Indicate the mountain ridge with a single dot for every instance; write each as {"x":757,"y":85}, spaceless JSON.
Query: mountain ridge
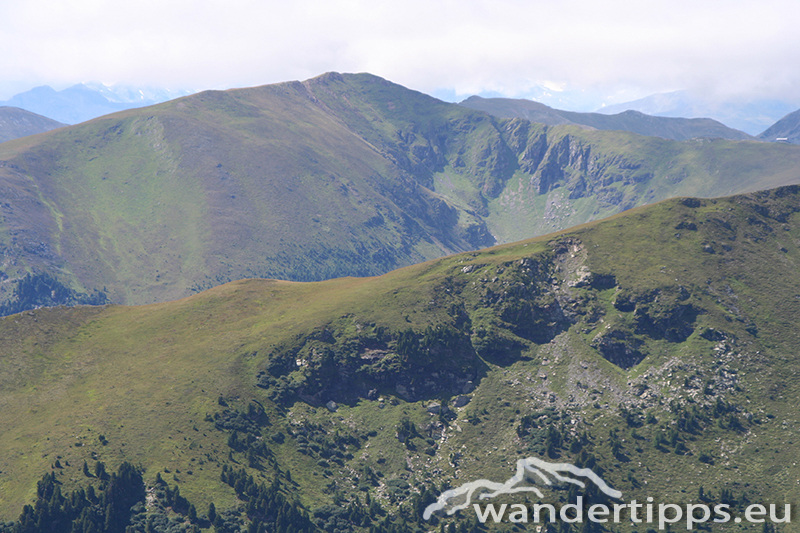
{"x":16,"y":123}
{"x":787,"y":128}
{"x":750,"y":116}
{"x":678,"y":129}
{"x":339,"y":175}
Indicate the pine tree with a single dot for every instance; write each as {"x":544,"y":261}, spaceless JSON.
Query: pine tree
{"x":100,"y":470}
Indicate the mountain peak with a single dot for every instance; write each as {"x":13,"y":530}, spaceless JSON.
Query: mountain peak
{"x":786,"y":129}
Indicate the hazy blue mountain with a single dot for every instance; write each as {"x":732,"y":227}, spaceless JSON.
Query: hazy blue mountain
{"x":678,"y":129}
{"x":140,"y":95}
{"x":83,"y":102}
{"x":750,"y":116}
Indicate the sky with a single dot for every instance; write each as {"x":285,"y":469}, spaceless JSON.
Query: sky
{"x":614,"y":51}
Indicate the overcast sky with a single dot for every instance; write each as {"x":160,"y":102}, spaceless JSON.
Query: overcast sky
{"x":618,"y":48}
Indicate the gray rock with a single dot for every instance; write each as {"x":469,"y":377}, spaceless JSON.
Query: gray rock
{"x":435,"y":408}
{"x":402,"y":391}
{"x":461,"y":401}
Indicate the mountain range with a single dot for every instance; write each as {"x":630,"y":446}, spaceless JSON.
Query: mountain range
{"x":657,"y":348}
{"x":340,"y":175}
{"x":83,"y":102}
{"x":750,"y":116}
{"x":88,"y":100}
{"x":678,"y":129}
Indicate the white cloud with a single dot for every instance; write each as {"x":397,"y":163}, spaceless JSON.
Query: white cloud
{"x":467,"y":46}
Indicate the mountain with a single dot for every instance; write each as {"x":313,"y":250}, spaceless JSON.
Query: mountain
{"x":137,"y":96}
{"x":16,"y":123}
{"x":70,"y":106}
{"x":786,"y":128}
{"x":750,"y":116}
{"x":657,"y":347}
{"x":83,"y":102}
{"x":678,"y":129}
{"x":564,"y":97}
{"x":341,"y":175}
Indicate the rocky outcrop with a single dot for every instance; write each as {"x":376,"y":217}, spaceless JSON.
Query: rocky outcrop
{"x":620,"y":348}
{"x":556,"y":159}
{"x":332,"y":364}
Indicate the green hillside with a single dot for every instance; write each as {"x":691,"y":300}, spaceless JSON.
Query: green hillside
{"x":16,"y":123}
{"x":658,"y":347}
{"x":339,"y":175}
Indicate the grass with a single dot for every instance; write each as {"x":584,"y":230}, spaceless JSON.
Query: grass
{"x":148,"y":378}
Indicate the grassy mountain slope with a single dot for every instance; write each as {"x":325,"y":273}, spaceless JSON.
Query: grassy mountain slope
{"x":16,"y":123}
{"x":786,"y":128}
{"x":339,"y":175}
{"x":677,"y":129}
{"x":221,"y":186}
{"x":658,"y":346}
